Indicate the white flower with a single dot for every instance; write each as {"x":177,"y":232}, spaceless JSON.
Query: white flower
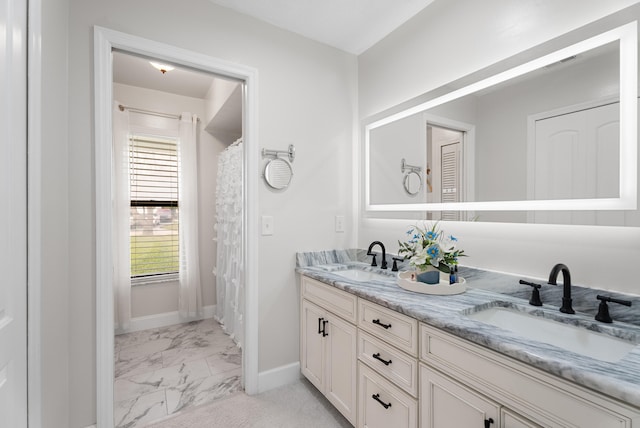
{"x":420,"y":257}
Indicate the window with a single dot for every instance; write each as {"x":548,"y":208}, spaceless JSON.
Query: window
{"x":153,"y":176}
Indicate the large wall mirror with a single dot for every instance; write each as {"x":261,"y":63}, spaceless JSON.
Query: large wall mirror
{"x":548,"y":138}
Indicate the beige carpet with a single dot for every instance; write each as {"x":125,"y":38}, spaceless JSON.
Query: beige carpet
{"x":291,"y":406}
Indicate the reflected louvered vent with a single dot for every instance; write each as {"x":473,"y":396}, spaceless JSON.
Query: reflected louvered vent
{"x":153,"y":173}
{"x":450,"y":180}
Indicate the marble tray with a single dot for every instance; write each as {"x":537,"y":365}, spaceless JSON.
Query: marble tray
{"x":443,"y":288}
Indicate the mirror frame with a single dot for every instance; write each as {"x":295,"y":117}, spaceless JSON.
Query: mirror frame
{"x":627,"y":36}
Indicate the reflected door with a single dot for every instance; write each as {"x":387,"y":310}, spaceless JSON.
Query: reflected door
{"x":577,"y":156}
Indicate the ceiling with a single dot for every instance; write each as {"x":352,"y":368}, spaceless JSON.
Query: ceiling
{"x":137,"y":71}
{"x":349,"y":25}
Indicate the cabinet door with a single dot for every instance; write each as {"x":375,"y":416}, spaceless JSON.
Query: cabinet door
{"x":513,"y":420}
{"x":312,"y":344}
{"x":381,"y":404}
{"x":340,"y":354}
{"x":445,"y":403}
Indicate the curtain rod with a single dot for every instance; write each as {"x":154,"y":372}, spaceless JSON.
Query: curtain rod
{"x":155,"y":113}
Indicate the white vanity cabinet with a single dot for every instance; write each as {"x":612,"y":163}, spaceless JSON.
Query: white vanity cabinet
{"x":328,"y":344}
{"x":383,"y":369}
{"x":388,"y":368}
{"x":460,"y":378}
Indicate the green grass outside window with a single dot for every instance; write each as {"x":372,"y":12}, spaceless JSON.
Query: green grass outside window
{"x":152,"y":255}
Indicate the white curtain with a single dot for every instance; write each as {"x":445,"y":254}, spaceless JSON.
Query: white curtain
{"x":120,"y":206}
{"x":229,"y":268}
{"x":190,"y":296}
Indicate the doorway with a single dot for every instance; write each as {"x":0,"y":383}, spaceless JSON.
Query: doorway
{"x":174,"y":130}
{"x":106,"y":42}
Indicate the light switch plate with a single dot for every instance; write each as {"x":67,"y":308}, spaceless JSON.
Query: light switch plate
{"x":267,"y":225}
{"x":339,"y":223}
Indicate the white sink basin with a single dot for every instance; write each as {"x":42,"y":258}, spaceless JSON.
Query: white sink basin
{"x":361,"y":275}
{"x":572,"y":338}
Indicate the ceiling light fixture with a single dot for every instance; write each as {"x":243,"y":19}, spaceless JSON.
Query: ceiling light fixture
{"x":162,"y":67}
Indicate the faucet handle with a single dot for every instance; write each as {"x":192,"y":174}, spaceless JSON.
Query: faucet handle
{"x":373,"y":262}
{"x":603,"y":309}
{"x":535,"y":294}
{"x":395,"y":263}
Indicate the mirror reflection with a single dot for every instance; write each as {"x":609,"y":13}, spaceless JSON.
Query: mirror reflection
{"x":552,"y":134}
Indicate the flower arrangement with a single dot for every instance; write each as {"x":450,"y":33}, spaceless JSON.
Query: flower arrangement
{"x":430,"y":247}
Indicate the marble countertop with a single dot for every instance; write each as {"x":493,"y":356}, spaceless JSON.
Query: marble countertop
{"x":620,"y":380}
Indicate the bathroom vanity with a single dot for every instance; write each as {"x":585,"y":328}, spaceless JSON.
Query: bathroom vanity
{"x":387,"y":357}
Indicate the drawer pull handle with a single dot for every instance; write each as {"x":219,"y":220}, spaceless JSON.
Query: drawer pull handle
{"x":488,"y":422}
{"x":320,"y":325}
{"x":382,"y":403}
{"x":387,"y":326}
{"x":324,"y":328}
{"x":377,"y":357}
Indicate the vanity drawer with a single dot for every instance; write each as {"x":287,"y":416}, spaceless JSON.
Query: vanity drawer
{"x":330,"y":298}
{"x":392,"y":363}
{"x":381,"y":404}
{"x":394,"y":328}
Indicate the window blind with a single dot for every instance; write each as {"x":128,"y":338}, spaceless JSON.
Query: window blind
{"x":153,"y":175}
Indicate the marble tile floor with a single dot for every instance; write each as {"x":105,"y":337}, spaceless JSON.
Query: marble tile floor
{"x":162,"y":371}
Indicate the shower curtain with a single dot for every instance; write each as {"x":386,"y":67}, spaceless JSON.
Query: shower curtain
{"x":229,"y":268}
{"x":120,"y":231}
{"x":190,"y":294}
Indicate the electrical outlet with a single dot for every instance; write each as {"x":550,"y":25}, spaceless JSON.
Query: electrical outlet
{"x":339,"y":223}
{"x":267,"y":225}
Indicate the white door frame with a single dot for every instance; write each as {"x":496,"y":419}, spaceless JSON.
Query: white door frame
{"x":14,"y":230}
{"x":104,"y":41}
{"x":34,"y":214}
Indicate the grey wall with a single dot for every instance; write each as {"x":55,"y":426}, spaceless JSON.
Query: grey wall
{"x":56,"y":239}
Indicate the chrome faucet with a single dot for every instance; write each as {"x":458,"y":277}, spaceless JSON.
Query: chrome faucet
{"x":384,"y":254}
{"x":566,"y":282}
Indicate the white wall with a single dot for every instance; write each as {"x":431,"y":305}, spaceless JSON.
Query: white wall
{"x":159,"y":298}
{"x":306,"y":97}
{"x":451,"y":39}
{"x":223,"y":101}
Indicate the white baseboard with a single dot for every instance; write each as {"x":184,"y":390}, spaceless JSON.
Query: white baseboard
{"x":279,"y":376}
{"x":92,"y":426}
{"x":163,"y":320}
